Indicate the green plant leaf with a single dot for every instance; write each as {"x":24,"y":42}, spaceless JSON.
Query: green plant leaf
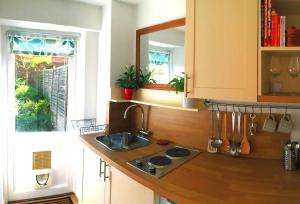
{"x":177,"y":83}
{"x":128,"y":78}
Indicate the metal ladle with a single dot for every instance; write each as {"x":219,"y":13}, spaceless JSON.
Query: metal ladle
{"x":210,"y":146}
{"x":232,"y":149}
{"x":218,"y":142}
{"x":238,"y":146}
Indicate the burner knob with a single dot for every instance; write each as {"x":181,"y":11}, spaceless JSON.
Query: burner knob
{"x":152,"y":170}
{"x":139,"y":163}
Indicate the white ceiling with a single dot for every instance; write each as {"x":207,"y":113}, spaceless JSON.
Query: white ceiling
{"x":102,"y":2}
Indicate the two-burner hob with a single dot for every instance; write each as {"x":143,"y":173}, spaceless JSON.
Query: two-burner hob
{"x":163,"y":162}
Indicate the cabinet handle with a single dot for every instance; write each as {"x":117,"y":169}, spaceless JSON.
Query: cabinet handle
{"x":105,"y":177}
{"x":104,"y":171}
{"x":186,"y":85}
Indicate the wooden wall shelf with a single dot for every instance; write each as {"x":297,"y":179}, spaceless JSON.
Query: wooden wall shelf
{"x":279,"y":98}
{"x":280,"y":49}
{"x":282,"y":55}
{"x":155,"y":104}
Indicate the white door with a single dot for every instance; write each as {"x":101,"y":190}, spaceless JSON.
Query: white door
{"x":23,"y":141}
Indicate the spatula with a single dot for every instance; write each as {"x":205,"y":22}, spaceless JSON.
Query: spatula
{"x":225,"y":144}
{"x":245,"y":146}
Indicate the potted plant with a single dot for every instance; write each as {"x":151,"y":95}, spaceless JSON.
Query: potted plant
{"x":146,"y":77}
{"x":128,"y":81}
{"x":177,"y":83}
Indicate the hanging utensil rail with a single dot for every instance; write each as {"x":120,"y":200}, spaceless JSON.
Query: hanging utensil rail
{"x":249,"y":108}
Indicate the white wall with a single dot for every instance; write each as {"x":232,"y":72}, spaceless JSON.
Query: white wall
{"x":122,"y":37}
{"x":60,"y":12}
{"x":91,"y":68}
{"x":169,"y":36}
{"x":151,"y":12}
{"x":178,"y":60}
{"x":103,"y":87}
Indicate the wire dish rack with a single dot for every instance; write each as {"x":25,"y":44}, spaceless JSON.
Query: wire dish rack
{"x":88,"y":126}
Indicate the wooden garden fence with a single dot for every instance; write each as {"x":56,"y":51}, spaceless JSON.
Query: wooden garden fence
{"x":53,"y":84}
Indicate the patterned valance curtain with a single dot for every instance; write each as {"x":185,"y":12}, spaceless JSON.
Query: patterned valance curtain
{"x":41,"y":44}
{"x":159,"y":57}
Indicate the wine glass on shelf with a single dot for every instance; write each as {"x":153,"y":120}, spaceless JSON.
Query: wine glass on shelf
{"x":275,"y":67}
{"x":294,"y":69}
{"x":275,"y":70}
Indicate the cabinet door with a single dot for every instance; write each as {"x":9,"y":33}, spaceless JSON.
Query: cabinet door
{"x":127,"y":191}
{"x":221,"y":49}
{"x":93,"y":185}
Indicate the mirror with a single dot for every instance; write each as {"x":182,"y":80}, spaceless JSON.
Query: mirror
{"x":160,"y":49}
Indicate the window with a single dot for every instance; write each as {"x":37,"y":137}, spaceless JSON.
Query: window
{"x":160,"y":61}
{"x":41,"y":80}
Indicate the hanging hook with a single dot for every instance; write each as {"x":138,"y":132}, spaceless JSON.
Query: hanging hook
{"x":261,"y":109}
{"x":218,"y":107}
{"x":233,"y":108}
{"x":226,"y":107}
{"x":270,"y":110}
{"x":212,"y":107}
{"x":286,"y":109}
{"x":245,"y":110}
{"x":239,"y":108}
{"x":252,"y":109}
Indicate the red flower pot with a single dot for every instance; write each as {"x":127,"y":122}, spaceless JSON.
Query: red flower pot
{"x":128,"y":92}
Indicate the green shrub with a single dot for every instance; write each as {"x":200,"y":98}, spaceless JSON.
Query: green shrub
{"x":26,"y":108}
{"x":34,"y":116}
{"x":42,"y":107}
{"x":25,"y":92}
{"x":19,"y":82}
{"x":33,"y":110}
{"x":26,"y":123}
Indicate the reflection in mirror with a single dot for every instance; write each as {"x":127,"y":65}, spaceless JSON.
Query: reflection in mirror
{"x":160,"y":51}
{"x":163,"y":53}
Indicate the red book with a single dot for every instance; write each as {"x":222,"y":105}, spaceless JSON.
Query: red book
{"x":266,"y":23}
{"x":269,"y":21}
{"x":278,"y":32}
{"x":274,"y":28}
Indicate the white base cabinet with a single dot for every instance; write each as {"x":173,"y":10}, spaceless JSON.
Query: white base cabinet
{"x":95,"y":190}
{"x":127,"y":191}
{"x":116,"y":188}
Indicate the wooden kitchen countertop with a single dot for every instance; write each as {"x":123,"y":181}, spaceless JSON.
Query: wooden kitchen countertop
{"x":211,"y":178}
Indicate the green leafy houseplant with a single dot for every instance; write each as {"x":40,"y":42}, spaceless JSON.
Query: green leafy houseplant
{"x":177,"y":83}
{"x":128,"y":78}
{"x":146,"y":77}
{"x":128,"y":81}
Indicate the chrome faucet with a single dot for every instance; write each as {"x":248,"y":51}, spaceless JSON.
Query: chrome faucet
{"x":143,"y":131}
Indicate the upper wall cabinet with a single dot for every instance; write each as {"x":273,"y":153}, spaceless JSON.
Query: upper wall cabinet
{"x":221,"y":49}
{"x":279,"y":51}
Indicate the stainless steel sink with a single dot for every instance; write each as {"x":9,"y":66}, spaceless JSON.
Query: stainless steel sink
{"x":123,"y":141}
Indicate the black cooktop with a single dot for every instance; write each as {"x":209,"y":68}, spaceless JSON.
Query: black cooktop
{"x":160,"y":161}
{"x":178,"y":152}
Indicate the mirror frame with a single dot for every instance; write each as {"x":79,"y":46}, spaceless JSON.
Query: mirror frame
{"x":151,"y":29}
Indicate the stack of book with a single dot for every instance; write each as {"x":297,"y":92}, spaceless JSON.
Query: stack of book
{"x":293,"y":37}
{"x":272,"y":26}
